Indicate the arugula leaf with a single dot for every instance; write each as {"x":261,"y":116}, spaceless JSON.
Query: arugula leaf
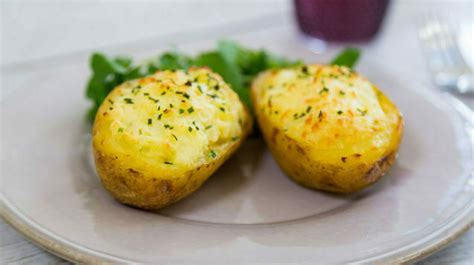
{"x":174,"y":61}
{"x":123,"y":61}
{"x":348,"y":57}
{"x":229,"y":50}
{"x":229,"y":71}
{"x":107,"y":74}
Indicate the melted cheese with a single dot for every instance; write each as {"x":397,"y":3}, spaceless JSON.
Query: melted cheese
{"x":171,"y":118}
{"x":328,"y":108}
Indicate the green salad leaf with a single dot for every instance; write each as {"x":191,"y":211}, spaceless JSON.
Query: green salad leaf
{"x":237,"y":65}
{"x":348,"y":57}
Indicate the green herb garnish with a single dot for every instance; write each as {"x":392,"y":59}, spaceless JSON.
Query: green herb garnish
{"x":325,"y":89}
{"x":362,"y":112}
{"x":348,"y":57}
{"x":128,"y":100}
{"x":212,"y":154}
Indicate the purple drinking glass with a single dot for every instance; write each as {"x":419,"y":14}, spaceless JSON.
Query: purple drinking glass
{"x":340,"y":20}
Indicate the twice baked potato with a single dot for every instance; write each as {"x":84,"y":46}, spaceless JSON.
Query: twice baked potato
{"x":327,"y":127}
{"x":157,"y":139}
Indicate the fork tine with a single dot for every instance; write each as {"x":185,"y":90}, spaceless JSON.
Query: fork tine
{"x":443,"y":39}
{"x":437,"y":59}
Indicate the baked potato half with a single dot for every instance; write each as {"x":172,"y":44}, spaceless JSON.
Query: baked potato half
{"x":327,"y":127}
{"x":157,"y":139}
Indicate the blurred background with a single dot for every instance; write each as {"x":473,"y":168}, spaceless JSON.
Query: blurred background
{"x":430,"y":40}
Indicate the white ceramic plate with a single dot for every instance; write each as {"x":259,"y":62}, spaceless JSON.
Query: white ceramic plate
{"x":249,"y":211}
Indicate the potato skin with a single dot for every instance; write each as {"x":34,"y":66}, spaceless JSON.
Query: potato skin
{"x":327,"y":127}
{"x":158,"y":139}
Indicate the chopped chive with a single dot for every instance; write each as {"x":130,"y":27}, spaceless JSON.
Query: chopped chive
{"x":342,"y":93}
{"x":149,"y":121}
{"x":362,"y":112}
{"x":222,"y":109}
{"x":110,"y":101}
{"x":339,"y":112}
{"x":176,"y":138}
{"x":208,"y":127}
{"x":212,"y":154}
{"x":159,"y":116}
{"x":168,"y":163}
{"x":181,"y":111}
{"x":188,"y":83}
{"x":171,"y":105}
{"x":186,"y":95}
{"x":153,"y":99}
{"x":191,"y":110}
{"x":308,"y":109}
{"x":325,"y":89}
{"x":120,"y":129}
{"x":128,"y":100}
{"x":190,"y":129}
{"x":235,"y":138}
{"x":320,"y":115}
{"x":304,"y":69}
{"x":136,"y":89}
{"x":195,"y":126}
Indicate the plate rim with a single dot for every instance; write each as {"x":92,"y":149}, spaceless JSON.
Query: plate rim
{"x":68,"y":251}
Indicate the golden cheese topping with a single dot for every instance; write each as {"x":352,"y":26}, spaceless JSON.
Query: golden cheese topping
{"x":170,"y":119}
{"x":328,"y":108}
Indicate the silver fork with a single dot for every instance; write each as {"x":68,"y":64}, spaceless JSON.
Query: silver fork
{"x":448,"y":68}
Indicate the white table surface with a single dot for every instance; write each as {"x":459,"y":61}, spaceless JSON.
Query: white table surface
{"x":34,"y":30}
